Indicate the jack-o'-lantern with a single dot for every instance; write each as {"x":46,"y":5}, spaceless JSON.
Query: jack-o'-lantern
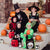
{"x":3,"y":32}
{"x":7,"y":27}
{"x":12,"y":14}
{"x":14,"y":43}
{"x":11,"y":34}
{"x":38,"y":37}
{"x":47,"y":21}
{"x":42,"y":28}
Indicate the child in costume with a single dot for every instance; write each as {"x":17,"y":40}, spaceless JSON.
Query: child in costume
{"x":34,"y":16}
{"x":17,"y":33}
{"x":13,"y":24}
{"x":27,"y":35}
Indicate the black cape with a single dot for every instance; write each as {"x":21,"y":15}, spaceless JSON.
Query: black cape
{"x":23,"y":18}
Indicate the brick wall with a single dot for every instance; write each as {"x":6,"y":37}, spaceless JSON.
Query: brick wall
{"x":5,"y":8}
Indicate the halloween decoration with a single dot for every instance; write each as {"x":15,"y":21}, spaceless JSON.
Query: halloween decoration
{"x":44,"y":12}
{"x":3,"y":32}
{"x":27,"y":36}
{"x":14,"y":43}
{"x":47,"y":21}
{"x":7,"y":27}
{"x":11,"y":34}
{"x":42,"y":28}
{"x":40,"y":13}
{"x":12,"y":14}
{"x":38,"y":37}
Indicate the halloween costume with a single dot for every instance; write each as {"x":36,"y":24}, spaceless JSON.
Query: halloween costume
{"x":14,"y":42}
{"x":29,"y":36}
{"x":13,"y":24}
{"x":21,"y":17}
{"x":36,"y":16}
{"x":17,"y":33}
{"x":37,"y":23}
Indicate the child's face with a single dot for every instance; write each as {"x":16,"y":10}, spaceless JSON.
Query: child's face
{"x":17,"y":10}
{"x":14,"y":19}
{"x":33,"y":10}
{"x":29,"y":26}
{"x":18,"y":25}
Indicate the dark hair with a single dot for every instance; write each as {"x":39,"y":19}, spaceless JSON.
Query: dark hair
{"x":18,"y":23}
{"x":13,"y":18}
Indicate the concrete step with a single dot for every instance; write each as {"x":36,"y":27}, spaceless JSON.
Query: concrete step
{"x":42,"y":44}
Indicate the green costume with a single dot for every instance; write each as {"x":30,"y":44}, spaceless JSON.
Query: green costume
{"x":25,"y":32}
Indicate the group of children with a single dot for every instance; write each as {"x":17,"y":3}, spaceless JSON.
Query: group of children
{"x":24,"y":27}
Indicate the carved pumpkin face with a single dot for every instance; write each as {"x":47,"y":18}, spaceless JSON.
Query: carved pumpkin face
{"x":47,"y":21}
{"x":11,"y":34}
{"x":3,"y":32}
{"x":14,"y":43}
{"x":7,"y":27}
{"x":38,"y":37}
{"x":12,"y":14}
{"x":42,"y":28}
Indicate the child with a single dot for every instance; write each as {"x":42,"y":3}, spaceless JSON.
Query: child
{"x":13,"y":24}
{"x":34,"y":16}
{"x":17,"y":33}
{"x":28,"y":34}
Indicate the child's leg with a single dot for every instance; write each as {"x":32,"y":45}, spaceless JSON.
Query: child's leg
{"x":24,"y":39}
{"x":24,"y":42}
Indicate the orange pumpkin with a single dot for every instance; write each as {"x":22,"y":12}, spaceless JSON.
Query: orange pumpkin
{"x":44,"y":11}
{"x":47,"y":21}
{"x":12,"y":14}
{"x":3,"y":32}
{"x":37,"y":37}
{"x":28,"y":32}
{"x":27,"y":9}
{"x":7,"y":27}
{"x":42,"y":28}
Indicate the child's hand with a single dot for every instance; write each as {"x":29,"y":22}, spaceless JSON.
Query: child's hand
{"x":30,"y":19}
{"x":25,"y":35}
{"x":15,"y":36}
